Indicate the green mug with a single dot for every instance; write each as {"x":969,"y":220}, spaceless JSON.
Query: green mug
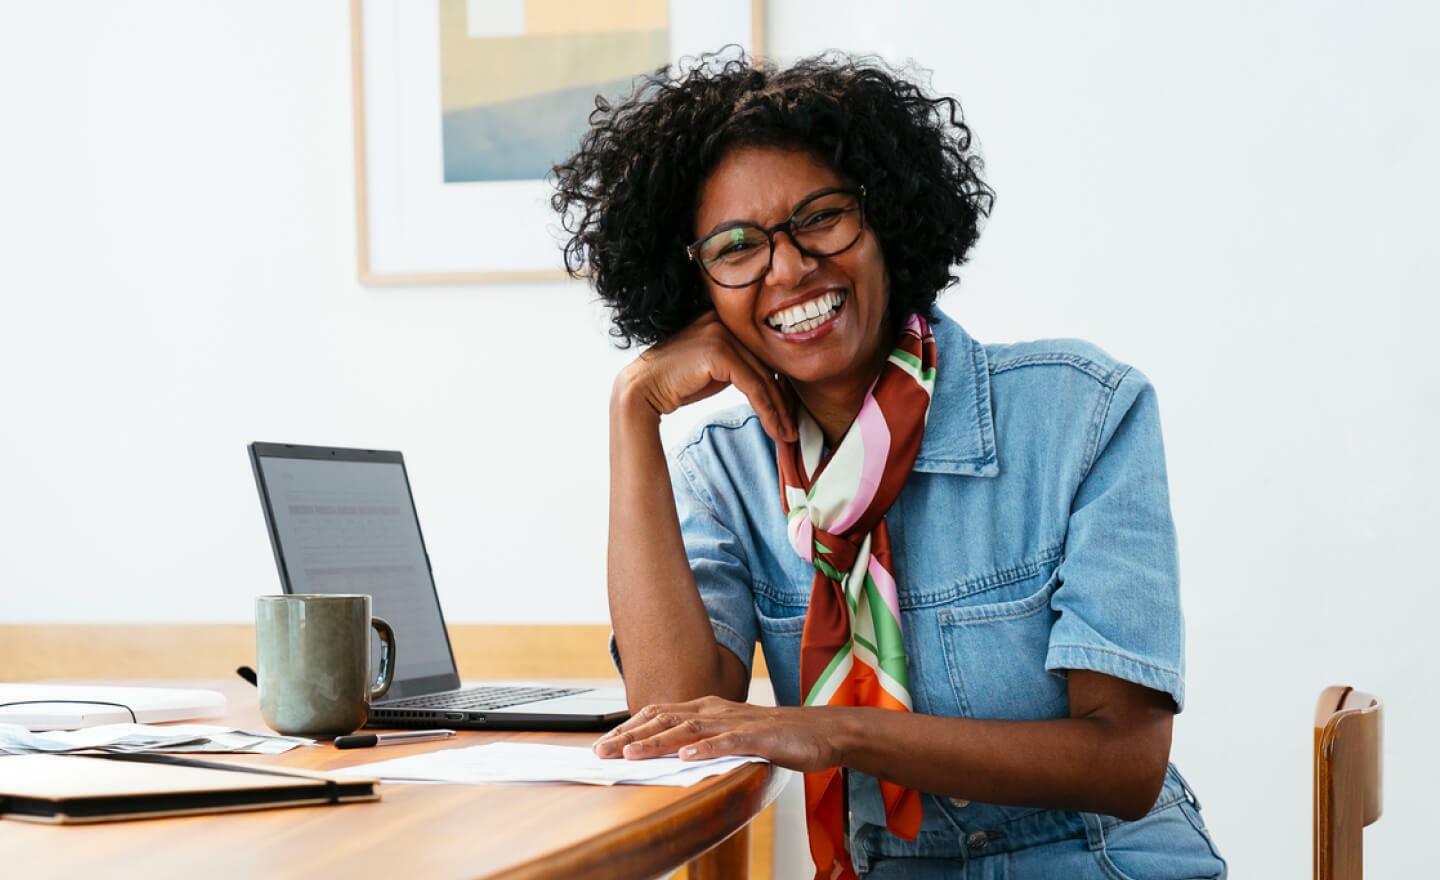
{"x":312,"y":654}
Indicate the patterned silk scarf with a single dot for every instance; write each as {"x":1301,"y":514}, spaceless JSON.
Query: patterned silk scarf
{"x":851,"y":651}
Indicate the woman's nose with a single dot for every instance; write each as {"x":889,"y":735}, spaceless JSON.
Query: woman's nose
{"x":788,"y":264}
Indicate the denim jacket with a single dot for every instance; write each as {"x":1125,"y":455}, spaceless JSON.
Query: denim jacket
{"x":1033,"y":536}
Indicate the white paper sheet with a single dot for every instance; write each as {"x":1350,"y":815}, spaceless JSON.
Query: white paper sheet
{"x":528,"y":762}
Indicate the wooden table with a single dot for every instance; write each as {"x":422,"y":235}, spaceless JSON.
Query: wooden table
{"x":419,"y":831}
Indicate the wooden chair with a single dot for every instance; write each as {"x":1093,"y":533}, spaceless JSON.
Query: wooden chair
{"x":1347,"y":779}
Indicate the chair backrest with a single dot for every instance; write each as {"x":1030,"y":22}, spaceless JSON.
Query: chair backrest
{"x":1347,"y":779}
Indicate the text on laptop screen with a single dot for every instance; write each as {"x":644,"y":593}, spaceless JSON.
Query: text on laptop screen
{"x":349,"y":527}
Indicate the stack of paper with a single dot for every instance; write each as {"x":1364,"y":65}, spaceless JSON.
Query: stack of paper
{"x":526,"y":762}
{"x":15,"y":739}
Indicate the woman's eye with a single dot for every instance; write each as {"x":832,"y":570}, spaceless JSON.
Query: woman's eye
{"x":731,"y":251}
{"x":820,"y":218}
{"x":733,"y":245}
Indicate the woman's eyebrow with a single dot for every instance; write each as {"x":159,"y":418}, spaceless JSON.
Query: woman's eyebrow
{"x":731,"y":224}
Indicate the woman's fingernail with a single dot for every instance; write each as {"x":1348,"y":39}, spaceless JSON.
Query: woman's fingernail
{"x":690,"y":751}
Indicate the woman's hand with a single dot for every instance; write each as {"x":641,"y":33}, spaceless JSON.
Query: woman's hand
{"x":711,"y":727}
{"x":702,"y":360}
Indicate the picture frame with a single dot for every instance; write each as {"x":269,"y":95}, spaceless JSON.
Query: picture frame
{"x":413,"y":227}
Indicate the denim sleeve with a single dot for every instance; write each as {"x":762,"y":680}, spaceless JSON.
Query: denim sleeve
{"x":1118,"y":588}
{"x":718,"y":561}
{"x":717,"y":558}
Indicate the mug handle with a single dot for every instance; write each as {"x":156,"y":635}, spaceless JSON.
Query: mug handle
{"x":387,"y":658}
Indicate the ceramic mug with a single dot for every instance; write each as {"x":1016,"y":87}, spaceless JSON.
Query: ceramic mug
{"x":312,"y":651}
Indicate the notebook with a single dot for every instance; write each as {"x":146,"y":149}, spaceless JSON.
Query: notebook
{"x":79,"y":789}
{"x":344,"y":521}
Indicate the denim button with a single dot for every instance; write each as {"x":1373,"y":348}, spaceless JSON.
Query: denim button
{"x":960,"y":802}
{"x":978,"y":840}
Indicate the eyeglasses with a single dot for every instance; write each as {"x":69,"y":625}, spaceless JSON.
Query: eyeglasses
{"x":823,"y":225}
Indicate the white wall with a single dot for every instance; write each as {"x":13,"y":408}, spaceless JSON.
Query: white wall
{"x":1239,"y":198}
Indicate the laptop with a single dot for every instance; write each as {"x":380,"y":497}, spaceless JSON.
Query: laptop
{"x":344,"y":521}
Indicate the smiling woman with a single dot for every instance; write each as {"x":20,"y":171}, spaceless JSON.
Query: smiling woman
{"x":958,"y":559}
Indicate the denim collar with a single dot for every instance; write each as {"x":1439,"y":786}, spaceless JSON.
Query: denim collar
{"x":960,"y":431}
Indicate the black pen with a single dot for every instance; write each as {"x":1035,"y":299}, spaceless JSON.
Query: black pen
{"x":366,"y":740}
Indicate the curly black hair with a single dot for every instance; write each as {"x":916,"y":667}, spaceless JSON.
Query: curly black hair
{"x":627,"y":197}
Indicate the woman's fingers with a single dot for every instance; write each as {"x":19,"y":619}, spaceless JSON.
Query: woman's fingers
{"x":702,"y":360}
{"x":706,"y":728}
{"x":664,"y":727}
{"x":711,"y":727}
{"x":755,"y":380}
{"x":673,"y":739}
{"x":765,"y":394}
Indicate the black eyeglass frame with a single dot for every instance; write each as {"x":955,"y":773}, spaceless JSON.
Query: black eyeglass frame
{"x":786,"y":226}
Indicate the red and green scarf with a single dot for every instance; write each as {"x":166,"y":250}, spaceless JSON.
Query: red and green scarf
{"x":852,"y":652}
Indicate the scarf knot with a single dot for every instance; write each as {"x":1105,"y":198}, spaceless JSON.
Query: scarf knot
{"x":834,"y":555}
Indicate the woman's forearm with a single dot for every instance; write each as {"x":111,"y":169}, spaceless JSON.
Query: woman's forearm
{"x":1097,"y":763}
{"x":666,"y":645}
{"x":1109,"y":756}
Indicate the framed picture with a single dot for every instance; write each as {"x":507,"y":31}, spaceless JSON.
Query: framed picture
{"x":462,"y":107}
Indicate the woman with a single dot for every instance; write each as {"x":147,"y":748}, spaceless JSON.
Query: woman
{"x":958,"y":558}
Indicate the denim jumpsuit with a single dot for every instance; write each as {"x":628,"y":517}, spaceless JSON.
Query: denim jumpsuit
{"x":1032,"y":537}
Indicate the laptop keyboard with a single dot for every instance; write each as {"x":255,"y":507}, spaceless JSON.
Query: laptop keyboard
{"x":490,"y":697}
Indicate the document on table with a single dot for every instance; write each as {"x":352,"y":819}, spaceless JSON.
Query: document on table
{"x":170,"y":738}
{"x":528,"y":762}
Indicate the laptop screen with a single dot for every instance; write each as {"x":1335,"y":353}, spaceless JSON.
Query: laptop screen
{"x":344,"y":521}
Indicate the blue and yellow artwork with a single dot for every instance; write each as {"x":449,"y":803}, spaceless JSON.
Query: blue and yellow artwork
{"x":518,"y":78}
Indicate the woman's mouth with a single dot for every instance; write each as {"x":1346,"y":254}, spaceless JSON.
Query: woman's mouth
{"x":807,"y":315}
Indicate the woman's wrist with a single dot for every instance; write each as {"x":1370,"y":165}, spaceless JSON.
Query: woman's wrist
{"x":840,"y":730}
{"x":628,"y":401}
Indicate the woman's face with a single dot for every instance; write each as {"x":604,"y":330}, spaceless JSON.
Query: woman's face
{"x":849,"y":290}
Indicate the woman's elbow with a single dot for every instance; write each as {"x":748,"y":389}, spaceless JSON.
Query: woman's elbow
{"x":1139,"y":795}
{"x":1140,"y":778}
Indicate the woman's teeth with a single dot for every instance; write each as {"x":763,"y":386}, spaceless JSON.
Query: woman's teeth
{"x":807,"y":315}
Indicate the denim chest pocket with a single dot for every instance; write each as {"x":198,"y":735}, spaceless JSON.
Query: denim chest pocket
{"x":995,"y":654}
{"x":780,"y":615}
